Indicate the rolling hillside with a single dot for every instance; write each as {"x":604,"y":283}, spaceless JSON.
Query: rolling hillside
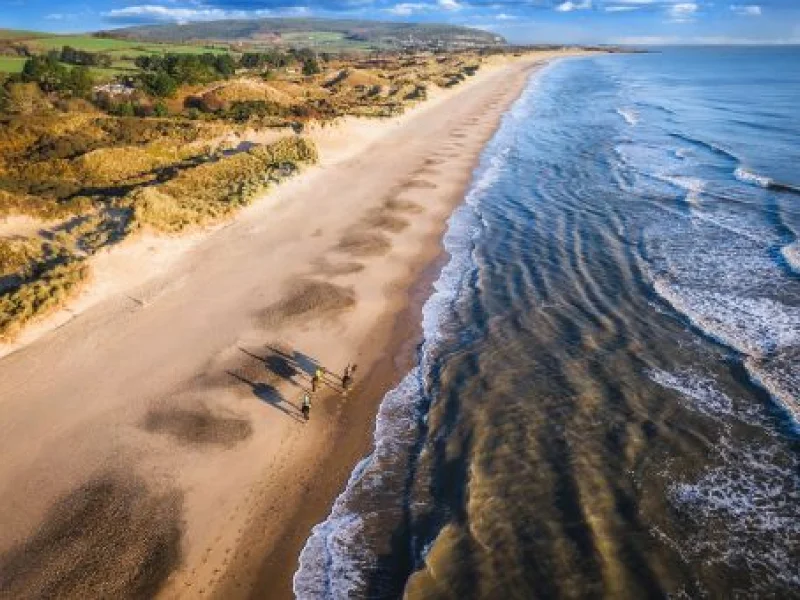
{"x":321,"y":34}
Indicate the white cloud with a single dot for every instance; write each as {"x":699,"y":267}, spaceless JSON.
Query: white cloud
{"x":505,"y":17}
{"x":451,"y":5}
{"x":569,"y":5}
{"x":747,"y":10}
{"x":55,"y":17}
{"x":620,"y":8}
{"x":149,"y":12}
{"x":406,"y":9}
{"x":682,"y":12}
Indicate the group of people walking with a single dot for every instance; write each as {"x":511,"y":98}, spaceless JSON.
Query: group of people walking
{"x":316,"y":382}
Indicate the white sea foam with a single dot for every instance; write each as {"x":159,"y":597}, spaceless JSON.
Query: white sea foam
{"x":753,"y":326}
{"x":631,"y":116}
{"x":780,"y":377}
{"x":746,"y":176}
{"x":701,"y":391}
{"x":717,"y":269}
{"x":337,"y":555}
{"x":752,"y":502}
{"x":791,"y":253}
{"x":694,"y":187}
{"x":702,"y":394}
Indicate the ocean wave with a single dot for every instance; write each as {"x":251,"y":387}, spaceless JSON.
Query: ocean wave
{"x":702,"y":394}
{"x":780,"y":377}
{"x":709,"y":146}
{"x":702,"y":391}
{"x":746,"y":176}
{"x":631,"y":116}
{"x":791,"y":254}
{"x":752,"y":326}
{"x":694,"y":187}
{"x":766,"y":332}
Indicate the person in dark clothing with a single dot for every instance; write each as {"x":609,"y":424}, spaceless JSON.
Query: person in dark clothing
{"x":315,"y":381}
{"x":346,"y":381}
{"x":305,"y":408}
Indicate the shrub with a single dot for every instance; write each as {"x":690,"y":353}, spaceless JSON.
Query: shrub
{"x":38,"y":298}
{"x":310,"y":66}
{"x":244,"y":110}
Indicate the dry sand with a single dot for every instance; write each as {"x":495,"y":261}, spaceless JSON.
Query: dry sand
{"x":153,"y":441}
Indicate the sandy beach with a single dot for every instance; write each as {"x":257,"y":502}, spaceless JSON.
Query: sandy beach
{"x":152,"y":438}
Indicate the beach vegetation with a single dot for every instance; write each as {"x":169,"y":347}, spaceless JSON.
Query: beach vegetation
{"x":38,"y":297}
{"x":174,"y":143}
{"x":216,"y":189}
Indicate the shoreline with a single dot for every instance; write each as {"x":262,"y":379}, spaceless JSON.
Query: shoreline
{"x":187,"y":413}
{"x":276,"y":569}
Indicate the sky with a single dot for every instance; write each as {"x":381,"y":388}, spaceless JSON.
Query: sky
{"x":520,"y":21}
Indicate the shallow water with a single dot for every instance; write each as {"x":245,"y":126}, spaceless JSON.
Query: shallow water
{"x":607,"y":398}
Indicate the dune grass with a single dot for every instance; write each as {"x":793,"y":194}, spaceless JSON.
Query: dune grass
{"x":215,"y":190}
{"x":39,"y":297}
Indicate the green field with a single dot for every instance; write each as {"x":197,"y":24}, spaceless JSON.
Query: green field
{"x":81,"y":42}
{"x":11,"y":64}
{"x":118,"y":47}
{"x":44,"y":42}
{"x":122,"y":52}
{"x":19,"y":34}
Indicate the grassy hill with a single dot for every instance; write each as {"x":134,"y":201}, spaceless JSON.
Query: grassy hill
{"x":122,"y":51}
{"x":322,"y":34}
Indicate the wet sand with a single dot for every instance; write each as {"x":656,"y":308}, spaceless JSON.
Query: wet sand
{"x":153,"y":443}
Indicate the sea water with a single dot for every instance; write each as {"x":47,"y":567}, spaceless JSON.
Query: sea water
{"x":606,"y":400}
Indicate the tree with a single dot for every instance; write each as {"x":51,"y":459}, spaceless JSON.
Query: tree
{"x":160,"y":84}
{"x":225,"y":65}
{"x":46,"y":71}
{"x":79,"y":81}
{"x":310,"y":66}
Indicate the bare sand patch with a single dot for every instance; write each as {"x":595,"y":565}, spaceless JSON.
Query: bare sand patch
{"x":336,"y":269}
{"x":384,"y":219}
{"x":309,"y":299}
{"x":400,"y":205}
{"x":420,"y":184}
{"x":364,"y":243}
{"x":110,"y":538}
{"x":198,"y":426}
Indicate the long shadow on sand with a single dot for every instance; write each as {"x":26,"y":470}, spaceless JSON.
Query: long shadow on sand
{"x":267,"y":393}
{"x":289,"y":365}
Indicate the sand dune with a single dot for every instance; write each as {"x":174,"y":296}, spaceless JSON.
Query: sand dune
{"x":153,"y":442}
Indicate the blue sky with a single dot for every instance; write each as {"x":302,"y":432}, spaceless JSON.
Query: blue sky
{"x":575,"y":21}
